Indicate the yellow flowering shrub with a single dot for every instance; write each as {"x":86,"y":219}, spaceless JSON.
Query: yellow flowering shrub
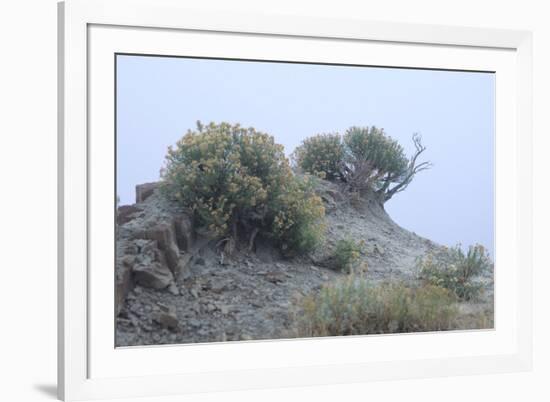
{"x":236,"y":181}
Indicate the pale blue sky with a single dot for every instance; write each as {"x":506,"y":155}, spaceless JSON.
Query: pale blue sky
{"x":159,"y":98}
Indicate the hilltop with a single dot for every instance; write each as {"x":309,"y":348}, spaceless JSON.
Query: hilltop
{"x":174,"y":285}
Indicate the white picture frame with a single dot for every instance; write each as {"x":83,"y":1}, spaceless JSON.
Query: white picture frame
{"x":91,"y":32}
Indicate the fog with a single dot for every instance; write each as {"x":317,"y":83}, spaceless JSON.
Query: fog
{"x":159,"y":99}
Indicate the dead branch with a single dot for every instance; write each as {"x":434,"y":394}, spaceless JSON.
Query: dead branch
{"x":406,"y":178}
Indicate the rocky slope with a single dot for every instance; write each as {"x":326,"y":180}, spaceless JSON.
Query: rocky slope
{"x":173,"y":286}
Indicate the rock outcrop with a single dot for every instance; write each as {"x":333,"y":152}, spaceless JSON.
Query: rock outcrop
{"x":144,"y":191}
{"x":154,"y":243}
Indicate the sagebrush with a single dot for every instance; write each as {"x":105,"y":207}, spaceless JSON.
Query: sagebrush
{"x":456,"y":270}
{"x":352,"y":306}
{"x":237,"y":181}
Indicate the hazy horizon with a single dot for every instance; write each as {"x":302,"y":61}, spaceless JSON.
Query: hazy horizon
{"x":160,"y":98}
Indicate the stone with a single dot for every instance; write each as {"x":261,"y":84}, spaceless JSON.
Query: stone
{"x":163,"y":307}
{"x":167,"y":320}
{"x":125,"y":213}
{"x":164,"y":234}
{"x":185,"y":233}
{"x":135,"y":321}
{"x":173,"y":288}
{"x":378,"y":249}
{"x":144,"y":191}
{"x":144,"y":247}
{"x":275,"y":277}
{"x":124,"y":321}
{"x":123,"y":281}
{"x":194,"y":322}
{"x":184,"y":264}
{"x":153,"y":275}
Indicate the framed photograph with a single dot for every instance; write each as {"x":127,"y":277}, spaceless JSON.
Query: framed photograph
{"x":255,"y":201}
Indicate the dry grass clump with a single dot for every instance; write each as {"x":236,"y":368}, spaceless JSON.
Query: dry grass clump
{"x":352,"y":306}
{"x":476,"y":316}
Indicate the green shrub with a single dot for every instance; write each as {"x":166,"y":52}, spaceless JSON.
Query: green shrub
{"x":347,"y":253}
{"x":298,"y":223}
{"x":455,"y":270}
{"x":235,"y":181}
{"x":322,"y":154}
{"x":351,"y":306}
{"x":372,"y":158}
{"x":365,"y":158}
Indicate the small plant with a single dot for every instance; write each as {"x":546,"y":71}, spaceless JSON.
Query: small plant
{"x":321,"y":155}
{"x":237,"y":181}
{"x":456,"y":270}
{"x":347,"y":253}
{"x":351,"y":306}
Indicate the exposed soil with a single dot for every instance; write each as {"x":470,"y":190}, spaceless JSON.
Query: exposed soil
{"x":251,"y":295}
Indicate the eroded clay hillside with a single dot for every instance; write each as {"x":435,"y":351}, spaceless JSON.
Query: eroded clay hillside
{"x":174,"y":284}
